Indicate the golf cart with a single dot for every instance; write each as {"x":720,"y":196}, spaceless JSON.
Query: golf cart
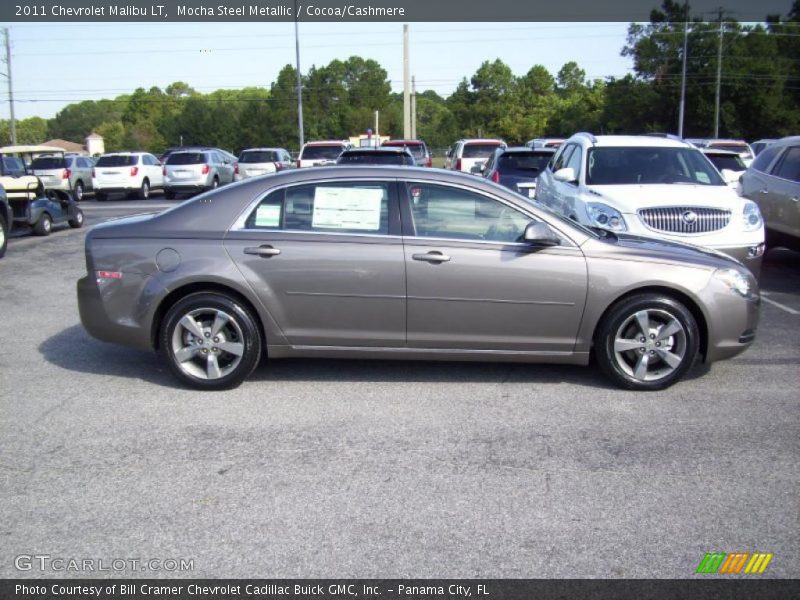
{"x":31,"y":204}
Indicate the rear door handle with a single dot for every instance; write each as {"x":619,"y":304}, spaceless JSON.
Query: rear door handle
{"x":264,"y":251}
{"x":765,"y":191}
{"x":795,"y":199}
{"x":434,"y":257}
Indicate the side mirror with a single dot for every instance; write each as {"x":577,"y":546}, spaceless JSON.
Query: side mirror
{"x":540,"y":234}
{"x":567,"y":175}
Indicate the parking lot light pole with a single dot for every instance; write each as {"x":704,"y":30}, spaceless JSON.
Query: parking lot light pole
{"x":299,"y":79}
{"x":683,"y":68}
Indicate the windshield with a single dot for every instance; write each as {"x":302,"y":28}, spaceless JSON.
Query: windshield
{"x":321,"y":152}
{"x":259,"y":156}
{"x":528,"y":162}
{"x":186,"y":158}
{"x":119,"y":160}
{"x":48,"y":162}
{"x":374,"y":158}
{"x":643,"y":165}
{"x":727,"y":161}
{"x":479,"y":150}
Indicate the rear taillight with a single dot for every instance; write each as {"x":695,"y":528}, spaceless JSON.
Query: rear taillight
{"x":94,"y":173}
{"x":109,"y":275}
{"x":429,"y":162}
{"x":164,"y":170}
{"x":134,"y":171}
{"x":458,"y":164}
{"x":66,"y":174}
{"x":496,"y":177}
{"x":278,"y":166}
{"x":205,"y":170}
{"x":236,"y":168}
{"x":298,"y":163}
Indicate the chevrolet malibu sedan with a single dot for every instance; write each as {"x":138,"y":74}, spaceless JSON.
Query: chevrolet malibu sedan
{"x":404,"y":263}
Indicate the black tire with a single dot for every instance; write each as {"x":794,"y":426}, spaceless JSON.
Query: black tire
{"x":77,"y":221}
{"x":241,"y":331}
{"x":3,"y":235}
{"x":44,"y":226}
{"x":100,"y":196}
{"x":78,"y":191}
{"x":144,"y":191}
{"x":214,"y":184}
{"x":621,"y":348}
{"x":169,"y":194}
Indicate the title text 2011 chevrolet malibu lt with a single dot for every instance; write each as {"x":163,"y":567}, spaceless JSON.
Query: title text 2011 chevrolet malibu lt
{"x":387,"y":262}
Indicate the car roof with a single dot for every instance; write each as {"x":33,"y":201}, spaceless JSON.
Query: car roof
{"x":327,"y":143}
{"x":527,"y":150}
{"x":408,"y":142}
{"x":644,"y":141}
{"x":481,"y":141}
{"x":125,"y":153}
{"x":261,"y":149}
{"x":719,"y":152}
{"x":379,"y":149}
{"x":792,"y":139}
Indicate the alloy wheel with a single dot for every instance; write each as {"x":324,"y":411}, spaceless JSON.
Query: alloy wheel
{"x":207,"y":343}
{"x":650,"y":344}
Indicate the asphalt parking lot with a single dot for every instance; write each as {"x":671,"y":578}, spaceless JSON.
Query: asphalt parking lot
{"x":321,"y":468}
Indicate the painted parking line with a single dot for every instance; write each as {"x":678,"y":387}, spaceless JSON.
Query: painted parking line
{"x":789,"y":309}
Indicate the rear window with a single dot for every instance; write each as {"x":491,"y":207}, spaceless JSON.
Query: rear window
{"x":48,"y":162}
{"x":374,"y":158}
{"x":117,"y":161}
{"x":186,"y":158}
{"x":321,"y":152}
{"x":528,"y":162}
{"x":733,"y":163}
{"x":740,"y":148}
{"x":417,"y":150}
{"x":259,"y":156}
{"x":479,"y":150}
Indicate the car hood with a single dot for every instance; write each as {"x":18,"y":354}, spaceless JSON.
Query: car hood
{"x":630,"y":198}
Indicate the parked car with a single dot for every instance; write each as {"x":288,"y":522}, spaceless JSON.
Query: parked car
{"x":729,"y":164}
{"x":418,"y":148}
{"x":71,"y":173}
{"x":759,"y":145}
{"x":773,"y":182}
{"x":134,"y":174}
{"x":741,"y":147}
{"x":5,"y":221}
{"x":376,"y":156}
{"x":554,"y":143}
{"x":321,"y":153}
{"x":651,"y":186}
{"x":517,"y":168}
{"x":261,"y":161}
{"x":465,"y":154}
{"x":189,"y":172}
{"x":398,"y":262}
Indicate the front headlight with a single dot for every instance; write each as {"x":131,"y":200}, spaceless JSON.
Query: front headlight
{"x":751,"y":216}
{"x":603,"y":216}
{"x":735,"y":280}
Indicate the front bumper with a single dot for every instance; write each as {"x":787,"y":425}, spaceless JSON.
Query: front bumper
{"x":732,"y":320}
{"x":750,"y":255}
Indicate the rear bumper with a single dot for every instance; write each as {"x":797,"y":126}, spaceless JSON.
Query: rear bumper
{"x":92,"y":307}
{"x":186,"y":187}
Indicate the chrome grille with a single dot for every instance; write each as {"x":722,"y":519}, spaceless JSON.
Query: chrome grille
{"x":685,"y":219}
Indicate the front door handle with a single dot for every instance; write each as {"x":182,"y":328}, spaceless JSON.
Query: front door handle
{"x":434,"y":257}
{"x":265,"y":251}
{"x":765,"y":191}
{"x":795,"y":198}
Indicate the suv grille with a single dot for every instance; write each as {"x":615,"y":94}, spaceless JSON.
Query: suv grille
{"x":685,"y":219}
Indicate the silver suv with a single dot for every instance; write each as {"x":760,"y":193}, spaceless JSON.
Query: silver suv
{"x":68,"y":173}
{"x":189,"y":172}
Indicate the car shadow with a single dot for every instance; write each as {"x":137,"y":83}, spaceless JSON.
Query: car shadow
{"x":73,"y":349}
{"x":780,"y":271}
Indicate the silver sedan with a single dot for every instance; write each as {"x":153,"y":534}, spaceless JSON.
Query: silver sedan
{"x":404,"y":263}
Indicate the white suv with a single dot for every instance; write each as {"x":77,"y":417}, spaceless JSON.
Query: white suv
{"x":129,"y":173}
{"x":469,"y":155}
{"x":651,"y":186}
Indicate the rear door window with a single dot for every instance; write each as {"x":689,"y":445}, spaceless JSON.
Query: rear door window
{"x":789,"y":166}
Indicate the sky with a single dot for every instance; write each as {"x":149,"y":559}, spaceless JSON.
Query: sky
{"x":57,"y":64}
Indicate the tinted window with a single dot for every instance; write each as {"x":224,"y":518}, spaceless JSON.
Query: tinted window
{"x":562,"y":157}
{"x":789,"y":167}
{"x":574,"y":161}
{"x":445,"y":212}
{"x":478,"y":150}
{"x":374,"y":158}
{"x":766,"y":157}
{"x":186,"y":158}
{"x":643,"y":165}
{"x":321,"y":152}
{"x":49,"y":162}
{"x":119,"y":160}
{"x":258,"y":156}
{"x":727,"y":161}
{"x":417,"y":150}
{"x":528,"y":162}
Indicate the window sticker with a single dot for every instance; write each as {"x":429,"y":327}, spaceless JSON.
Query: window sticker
{"x":268,"y":215}
{"x":347,"y":208}
{"x":702,"y":177}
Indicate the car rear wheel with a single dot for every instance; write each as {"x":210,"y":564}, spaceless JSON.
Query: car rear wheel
{"x":76,"y":222}
{"x":214,"y":183}
{"x":78,"y":191}
{"x":144,"y":191}
{"x":3,"y":236}
{"x":44,"y":226}
{"x":210,"y":341}
{"x":647,"y":342}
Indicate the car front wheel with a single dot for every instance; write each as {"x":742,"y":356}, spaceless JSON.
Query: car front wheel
{"x":647,"y":342}
{"x":210,"y":341}
{"x":3,"y":236}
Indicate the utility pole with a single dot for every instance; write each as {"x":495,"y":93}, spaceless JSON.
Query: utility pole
{"x":719,"y":75}
{"x":299,"y":78}
{"x":682,"y":110}
{"x":10,"y":86}
{"x":377,"y":131}
{"x":413,"y":109}
{"x":406,"y":88}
